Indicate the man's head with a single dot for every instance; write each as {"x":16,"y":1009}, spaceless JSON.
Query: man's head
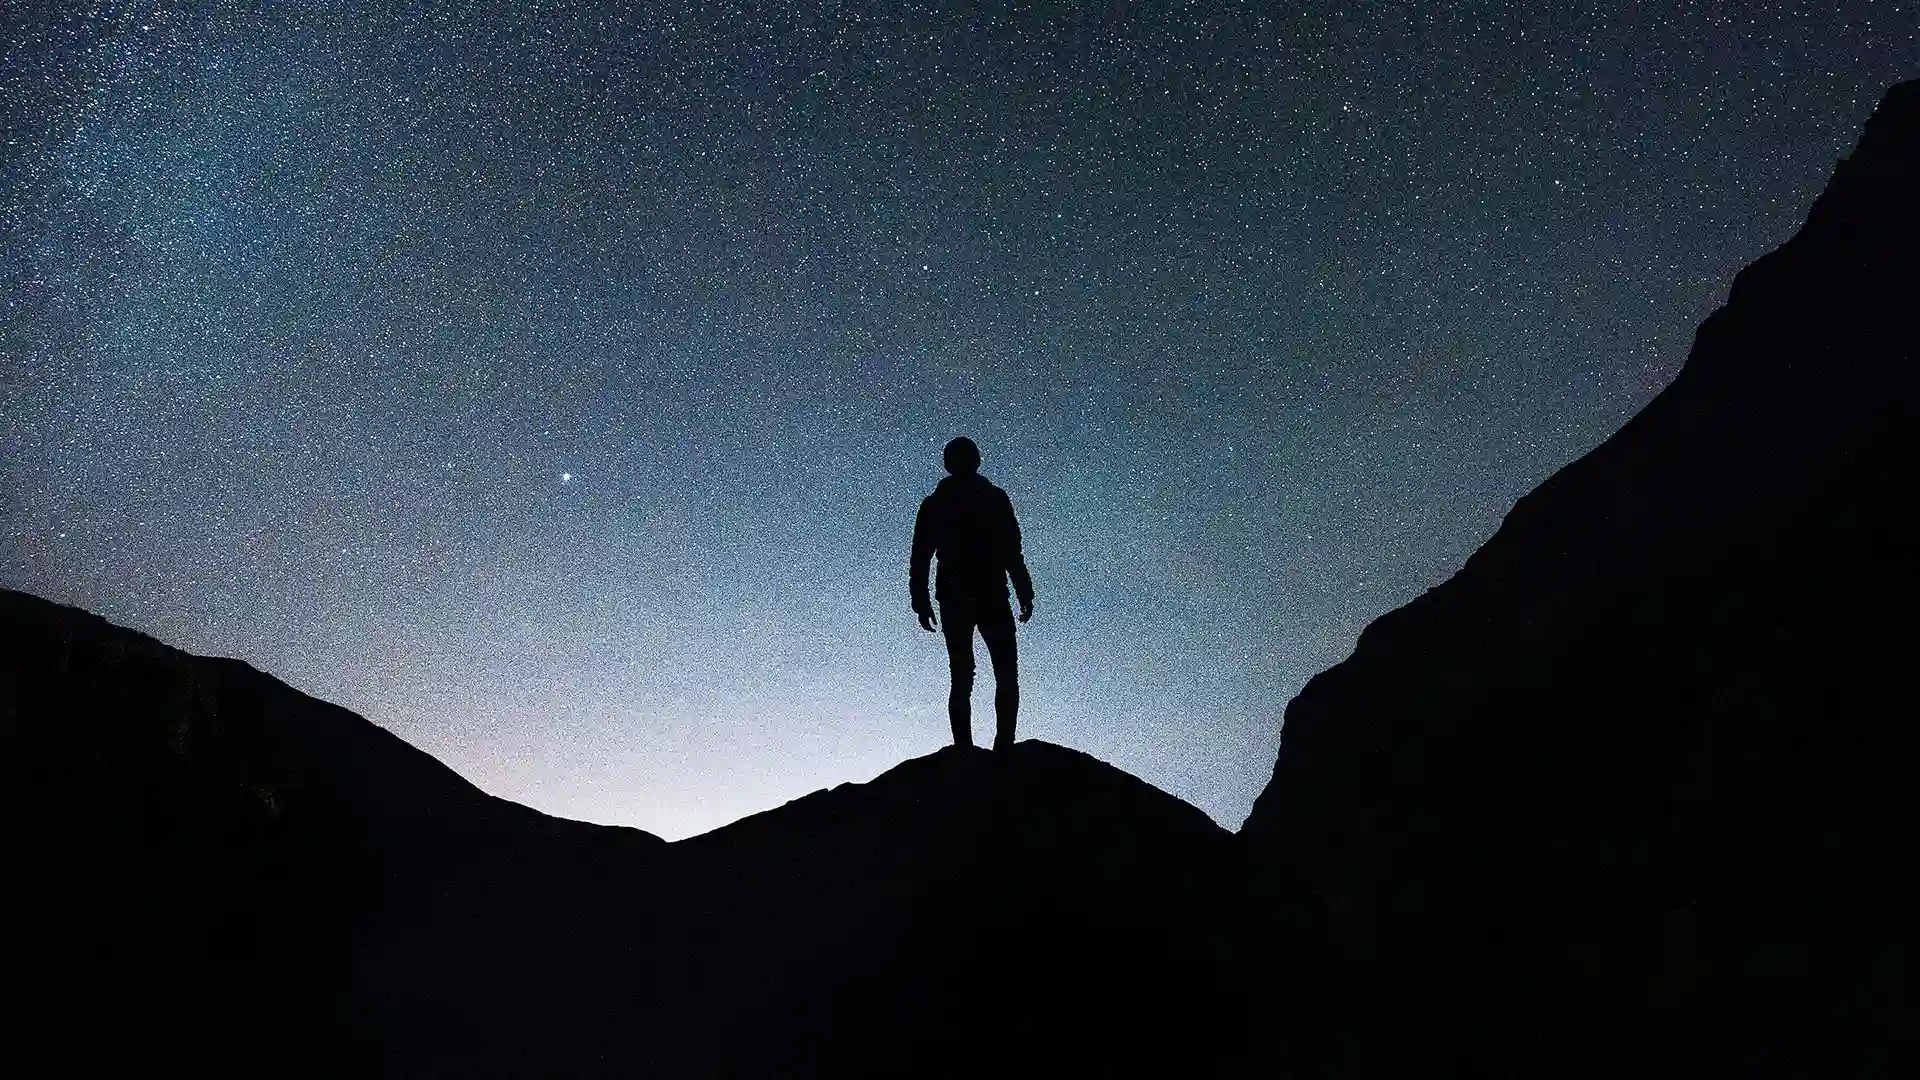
{"x":961,"y":456}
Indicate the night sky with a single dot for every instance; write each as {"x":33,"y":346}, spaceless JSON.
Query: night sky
{"x":555,"y":384}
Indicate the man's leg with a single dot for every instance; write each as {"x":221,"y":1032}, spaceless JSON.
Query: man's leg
{"x":958,"y":627}
{"x":996,"y":626}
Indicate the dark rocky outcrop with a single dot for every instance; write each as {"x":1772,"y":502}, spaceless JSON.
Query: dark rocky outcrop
{"x":231,"y":876}
{"x":1035,"y":911}
{"x":1628,"y":796}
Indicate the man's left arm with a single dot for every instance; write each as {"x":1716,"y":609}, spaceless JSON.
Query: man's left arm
{"x":1016,"y":562}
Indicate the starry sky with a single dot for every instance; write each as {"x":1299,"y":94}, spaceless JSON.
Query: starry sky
{"x":555,"y":383}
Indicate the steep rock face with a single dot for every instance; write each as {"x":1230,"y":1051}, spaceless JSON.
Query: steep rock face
{"x":1627,"y":795}
{"x":229,"y":877}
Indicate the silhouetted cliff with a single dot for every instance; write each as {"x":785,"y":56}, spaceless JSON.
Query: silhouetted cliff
{"x":230,"y":876}
{"x":1628,"y":795}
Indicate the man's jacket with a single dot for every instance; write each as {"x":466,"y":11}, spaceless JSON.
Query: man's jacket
{"x":969,"y":523}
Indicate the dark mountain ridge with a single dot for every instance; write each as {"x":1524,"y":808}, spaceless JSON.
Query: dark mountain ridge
{"x":217,"y":855}
{"x":1619,"y":797}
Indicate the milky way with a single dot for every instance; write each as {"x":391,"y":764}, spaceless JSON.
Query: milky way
{"x":555,"y":383}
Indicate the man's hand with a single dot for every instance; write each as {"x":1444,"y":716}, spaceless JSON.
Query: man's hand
{"x":926,"y":620}
{"x":1026,"y":610}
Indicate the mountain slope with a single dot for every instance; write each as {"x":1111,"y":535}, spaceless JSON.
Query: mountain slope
{"x":1619,"y":798}
{"x":239,"y":875}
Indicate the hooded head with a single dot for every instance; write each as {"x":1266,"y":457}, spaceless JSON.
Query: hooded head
{"x":961,"y":456}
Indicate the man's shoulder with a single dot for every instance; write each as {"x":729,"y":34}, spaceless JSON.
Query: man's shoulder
{"x":980,"y":485}
{"x":970,"y":493}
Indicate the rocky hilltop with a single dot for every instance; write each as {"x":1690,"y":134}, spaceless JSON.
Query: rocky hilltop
{"x":235,"y":877}
{"x":1627,"y":795}
{"x":973,"y":914}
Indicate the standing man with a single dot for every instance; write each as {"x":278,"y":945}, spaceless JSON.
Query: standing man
{"x":969,"y":524}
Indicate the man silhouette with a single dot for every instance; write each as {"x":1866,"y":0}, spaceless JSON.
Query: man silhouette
{"x":969,"y":524}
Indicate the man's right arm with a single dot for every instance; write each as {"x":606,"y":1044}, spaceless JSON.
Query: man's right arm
{"x":921,"y":559}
